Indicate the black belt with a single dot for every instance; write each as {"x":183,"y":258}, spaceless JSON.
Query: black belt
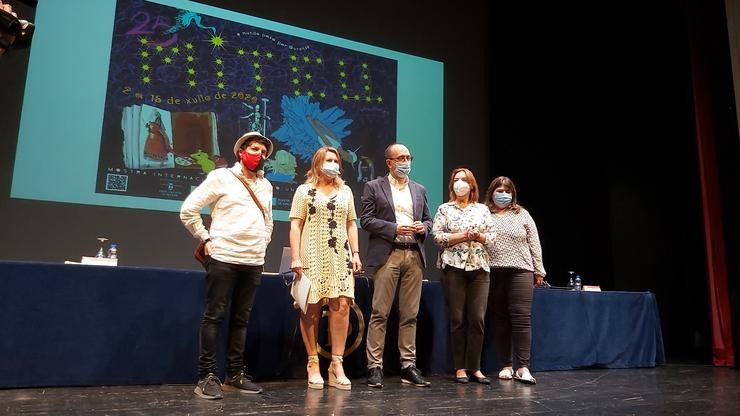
{"x":405,"y":246}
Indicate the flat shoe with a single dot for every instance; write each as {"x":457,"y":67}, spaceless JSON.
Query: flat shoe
{"x":482,"y":380}
{"x":462,"y":380}
{"x":506,"y":374}
{"x":526,"y":379}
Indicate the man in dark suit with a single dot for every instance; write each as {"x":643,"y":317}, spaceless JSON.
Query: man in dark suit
{"x":396,"y":215}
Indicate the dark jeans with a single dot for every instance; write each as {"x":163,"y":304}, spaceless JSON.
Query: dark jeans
{"x":466,"y":293}
{"x":227,"y":283}
{"x":511,"y":301}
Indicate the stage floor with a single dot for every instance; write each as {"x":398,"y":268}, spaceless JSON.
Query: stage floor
{"x":668,"y":389}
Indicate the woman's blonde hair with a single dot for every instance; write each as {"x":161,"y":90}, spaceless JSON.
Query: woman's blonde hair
{"x":314,"y":173}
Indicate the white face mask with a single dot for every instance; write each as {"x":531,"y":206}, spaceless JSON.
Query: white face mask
{"x":330,"y":169}
{"x":461,"y":188}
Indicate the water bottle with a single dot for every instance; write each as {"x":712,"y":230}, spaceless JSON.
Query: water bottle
{"x":570,"y":280}
{"x":113,"y":251}
{"x":577,"y":282}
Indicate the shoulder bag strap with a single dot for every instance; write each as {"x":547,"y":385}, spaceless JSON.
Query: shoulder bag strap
{"x":251,"y":192}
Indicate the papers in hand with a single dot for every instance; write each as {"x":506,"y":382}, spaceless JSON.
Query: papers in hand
{"x":299,"y":290}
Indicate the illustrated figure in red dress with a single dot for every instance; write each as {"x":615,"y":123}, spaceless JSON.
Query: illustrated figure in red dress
{"x":157,"y":145}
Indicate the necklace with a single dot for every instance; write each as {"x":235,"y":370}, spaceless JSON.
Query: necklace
{"x":462,"y":205}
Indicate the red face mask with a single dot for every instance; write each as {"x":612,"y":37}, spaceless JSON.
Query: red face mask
{"x":252,"y":161}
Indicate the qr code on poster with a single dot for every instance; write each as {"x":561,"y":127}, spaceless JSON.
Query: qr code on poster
{"x":115,"y":182}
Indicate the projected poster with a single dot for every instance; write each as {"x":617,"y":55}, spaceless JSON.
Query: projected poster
{"x":182,"y":86}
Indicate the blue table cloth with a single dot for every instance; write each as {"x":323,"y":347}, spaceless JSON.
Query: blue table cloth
{"x":67,"y":325}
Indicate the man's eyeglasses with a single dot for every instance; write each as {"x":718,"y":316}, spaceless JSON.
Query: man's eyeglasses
{"x":404,"y":158}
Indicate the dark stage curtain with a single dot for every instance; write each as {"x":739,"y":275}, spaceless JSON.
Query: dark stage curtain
{"x":708,"y":43}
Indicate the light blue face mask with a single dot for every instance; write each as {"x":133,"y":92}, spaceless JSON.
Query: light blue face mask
{"x":403,"y":169}
{"x":502,"y":199}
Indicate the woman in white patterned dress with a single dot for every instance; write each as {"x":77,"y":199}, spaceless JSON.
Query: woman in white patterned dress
{"x":516,"y":263}
{"x":324,"y":248}
{"x":462,"y":228}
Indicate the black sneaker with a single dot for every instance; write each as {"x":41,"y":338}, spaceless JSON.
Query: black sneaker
{"x":412,"y":375}
{"x":242,"y":383}
{"x":375,"y":377}
{"x":209,"y":387}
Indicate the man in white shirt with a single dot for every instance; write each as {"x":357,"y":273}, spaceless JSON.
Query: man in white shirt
{"x":396,"y":214}
{"x":241,"y":228}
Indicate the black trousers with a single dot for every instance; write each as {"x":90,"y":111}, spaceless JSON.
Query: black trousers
{"x":233,"y":284}
{"x":511,"y":301}
{"x":466,"y":293}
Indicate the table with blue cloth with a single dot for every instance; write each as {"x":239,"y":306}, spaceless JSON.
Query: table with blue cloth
{"x":76,"y":325}
{"x":606,"y":329}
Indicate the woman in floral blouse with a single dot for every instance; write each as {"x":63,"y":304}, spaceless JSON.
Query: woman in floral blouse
{"x":324,"y":248}
{"x":516,"y":263}
{"x":462,"y":228}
